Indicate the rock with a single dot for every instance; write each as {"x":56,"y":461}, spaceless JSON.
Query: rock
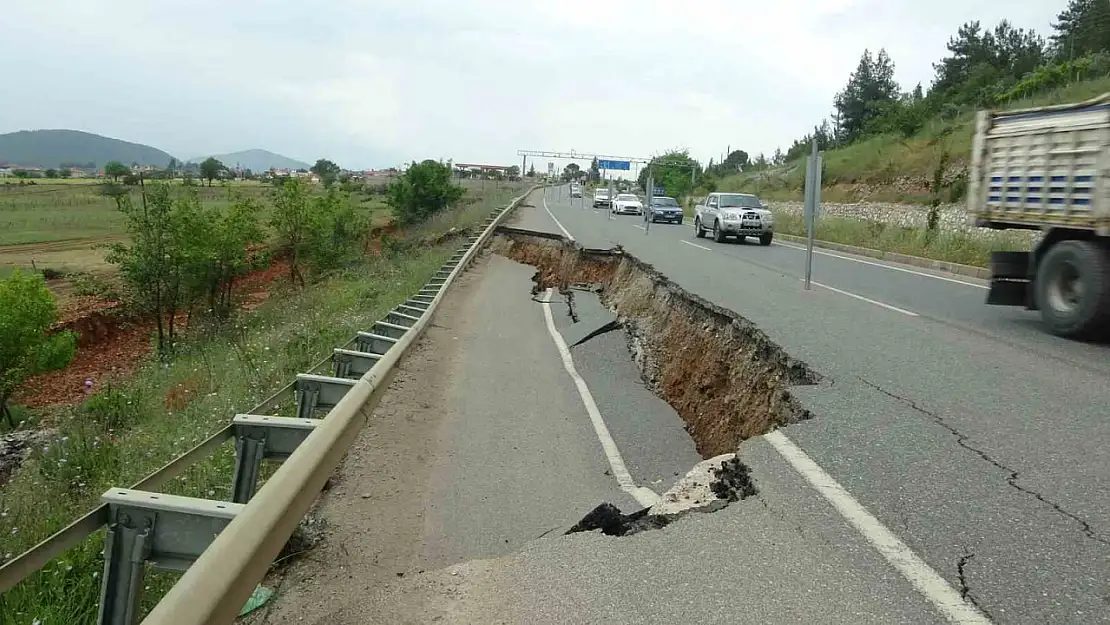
{"x":694,"y":490}
{"x":15,"y":445}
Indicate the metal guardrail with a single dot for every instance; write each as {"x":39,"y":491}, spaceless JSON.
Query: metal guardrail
{"x":226,"y":548}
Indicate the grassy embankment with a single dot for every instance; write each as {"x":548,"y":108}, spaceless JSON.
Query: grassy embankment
{"x":897,"y":170}
{"x":127,"y":431}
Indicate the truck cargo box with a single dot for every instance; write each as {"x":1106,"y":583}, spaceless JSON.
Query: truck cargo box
{"x":1042,"y":167}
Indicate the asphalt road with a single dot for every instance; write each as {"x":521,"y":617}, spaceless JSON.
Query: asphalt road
{"x":977,"y":439}
{"x":453,"y":502}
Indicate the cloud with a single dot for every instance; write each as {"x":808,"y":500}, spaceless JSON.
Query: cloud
{"x":375,"y":83}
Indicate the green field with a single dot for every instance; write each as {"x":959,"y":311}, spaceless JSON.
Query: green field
{"x":126,"y":432}
{"x":63,"y":227}
{"x":76,"y":209}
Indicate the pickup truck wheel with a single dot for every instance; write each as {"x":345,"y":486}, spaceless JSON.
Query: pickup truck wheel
{"x":699,"y":232}
{"x":718,"y":236}
{"x":1072,"y":289}
{"x":765,"y":239}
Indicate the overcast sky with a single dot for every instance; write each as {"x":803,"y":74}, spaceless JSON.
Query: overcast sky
{"x":380,"y":82}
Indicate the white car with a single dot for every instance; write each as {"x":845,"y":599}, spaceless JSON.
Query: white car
{"x":627,"y":204}
{"x":737,"y":215}
{"x":601,"y":198}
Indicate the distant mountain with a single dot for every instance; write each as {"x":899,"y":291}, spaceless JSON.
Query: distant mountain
{"x":51,"y":148}
{"x":256,"y":160}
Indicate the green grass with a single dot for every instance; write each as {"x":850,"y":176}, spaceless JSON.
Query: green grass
{"x":125,"y":432}
{"x":957,"y":247}
{"x":58,"y":211}
{"x":891,"y":168}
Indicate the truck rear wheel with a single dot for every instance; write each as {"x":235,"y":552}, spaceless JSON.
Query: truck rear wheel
{"x":1073,"y":289}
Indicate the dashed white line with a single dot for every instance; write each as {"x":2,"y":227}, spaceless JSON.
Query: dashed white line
{"x":885,"y":266}
{"x":924,"y":578}
{"x":700,"y":247}
{"x":566,"y":232}
{"x":640,"y":227}
{"x":645,"y":496}
{"x":864,"y":299}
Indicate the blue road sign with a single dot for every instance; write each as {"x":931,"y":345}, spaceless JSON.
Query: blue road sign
{"x":625,"y":165}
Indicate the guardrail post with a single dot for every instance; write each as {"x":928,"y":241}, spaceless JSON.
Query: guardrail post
{"x":263,"y":437}
{"x":250,"y":447}
{"x":308,"y":395}
{"x":126,"y":548}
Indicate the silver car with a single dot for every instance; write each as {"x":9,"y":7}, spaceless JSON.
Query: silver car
{"x":737,"y":215}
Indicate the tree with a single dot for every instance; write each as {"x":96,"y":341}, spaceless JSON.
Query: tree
{"x":65,"y":172}
{"x":425,"y":189}
{"x":595,"y":172}
{"x":291,"y":222}
{"x":327,"y":171}
{"x":736,"y":160}
{"x":862,"y":99}
{"x":210,"y":169}
{"x":572,"y":172}
{"x":171,"y":167}
{"x":1082,"y":28}
{"x":115,"y":170}
{"x":51,"y":173}
{"x":532,"y":170}
{"x":513,"y":172}
{"x":672,"y":171}
{"x":27,"y":312}
{"x":983,"y":64}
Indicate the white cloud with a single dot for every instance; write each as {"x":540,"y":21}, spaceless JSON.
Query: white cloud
{"x":372,"y":83}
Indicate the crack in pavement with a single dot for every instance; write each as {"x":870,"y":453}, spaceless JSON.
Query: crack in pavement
{"x":605,"y":329}
{"x":965,"y":587}
{"x":1011,"y":479}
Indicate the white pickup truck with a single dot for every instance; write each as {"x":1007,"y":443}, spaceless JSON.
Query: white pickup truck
{"x":737,"y":215}
{"x":1048,"y":169}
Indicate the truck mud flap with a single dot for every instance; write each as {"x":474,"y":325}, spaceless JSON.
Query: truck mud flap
{"x":1010,"y":265}
{"x":1008,"y":293}
{"x":1010,"y":279}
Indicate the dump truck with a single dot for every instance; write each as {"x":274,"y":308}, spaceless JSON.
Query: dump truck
{"x":1048,"y":169}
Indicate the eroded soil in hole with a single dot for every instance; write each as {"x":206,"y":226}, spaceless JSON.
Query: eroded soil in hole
{"x":724,"y":376}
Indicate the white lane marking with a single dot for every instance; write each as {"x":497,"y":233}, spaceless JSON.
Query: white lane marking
{"x":700,"y":247}
{"x":566,"y":232}
{"x":863,"y":299}
{"x":645,"y":496}
{"x":640,"y":227}
{"x":926,"y":580}
{"x":885,"y":266}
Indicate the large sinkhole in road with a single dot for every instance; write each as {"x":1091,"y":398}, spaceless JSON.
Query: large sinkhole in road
{"x":725,"y":378}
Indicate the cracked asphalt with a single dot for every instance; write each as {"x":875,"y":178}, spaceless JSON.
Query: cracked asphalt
{"x":978,"y":439}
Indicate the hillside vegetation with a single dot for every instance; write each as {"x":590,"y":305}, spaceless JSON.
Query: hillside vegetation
{"x":73,"y":148}
{"x":884,"y":143}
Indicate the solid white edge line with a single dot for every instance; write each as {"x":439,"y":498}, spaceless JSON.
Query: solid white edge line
{"x":862,"y":298}
{"x":644,"y":496}
{"x":566,"y":232}
{"x":885,"y":266}
{"x":700,"y":247}
{"x":918,"y":572}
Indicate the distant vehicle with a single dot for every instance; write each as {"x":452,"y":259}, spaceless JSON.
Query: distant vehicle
{"x":601,"y":198}
{"x":737,"y":215}
{"x":627,"y":204}
{"x":1046,"y":169}
{"x":575,"y":190}
{"x":662,"y":208}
